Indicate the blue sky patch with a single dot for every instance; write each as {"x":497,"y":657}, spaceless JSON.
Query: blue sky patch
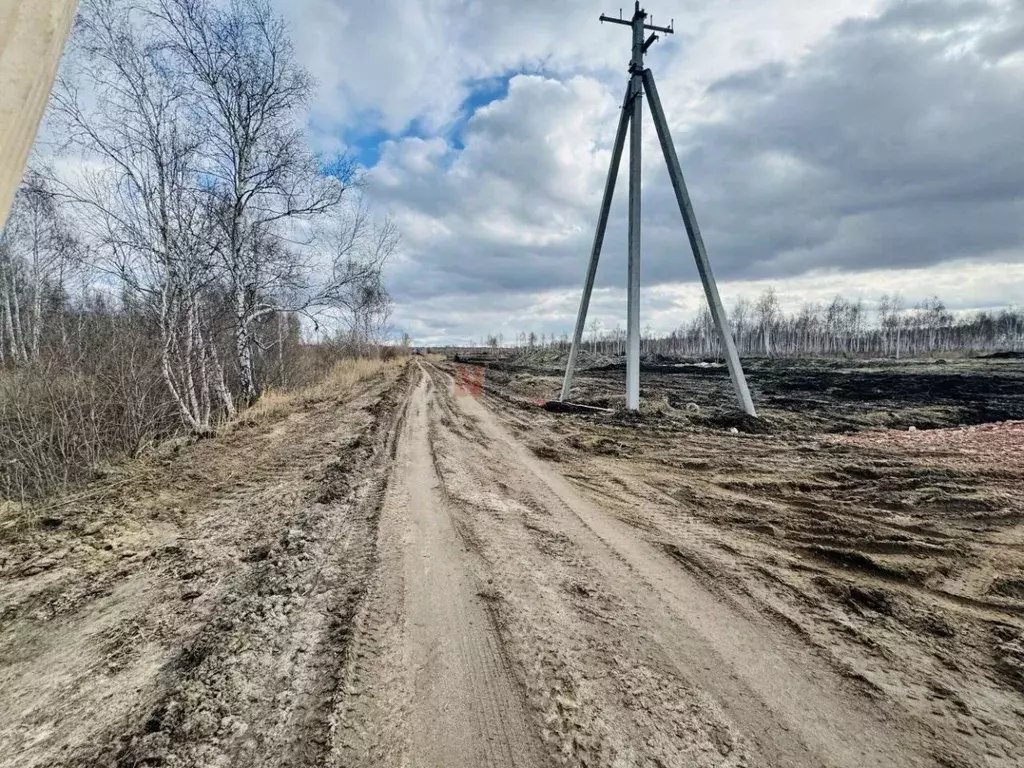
{"x":364,"y":141}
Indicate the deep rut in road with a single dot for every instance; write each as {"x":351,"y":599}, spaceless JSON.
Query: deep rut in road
{"x":513,"y":621}
{"x":439,"y":690}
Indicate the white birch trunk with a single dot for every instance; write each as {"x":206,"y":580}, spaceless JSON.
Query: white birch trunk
{"x":12,"y":342}
{"x":218,"y":383}
{"x":168,"y":321}
{"x":37,"y":302}
{"x":204,"y":380}
{"x":14,"y":312}
{"x":243,"y":349}
{"x":281,"y":323}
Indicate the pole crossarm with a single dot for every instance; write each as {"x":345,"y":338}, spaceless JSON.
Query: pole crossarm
{"x":613,"y":20}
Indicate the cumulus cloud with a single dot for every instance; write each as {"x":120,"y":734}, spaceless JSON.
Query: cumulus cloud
{"x":508,"y":211}
{"x":837,"y":142}
{"x":892,"y":143}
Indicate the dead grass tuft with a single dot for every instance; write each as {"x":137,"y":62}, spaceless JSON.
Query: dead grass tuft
{"x":655,"y":406}
{"x":273,"y":404}
{"x":336,"y":385}
{"x":344,"y":376}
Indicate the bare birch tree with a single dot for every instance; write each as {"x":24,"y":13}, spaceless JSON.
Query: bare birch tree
{"x":250,"y":90}
{"x":740,"y":316}
{"x":143,"y":203}
{"x":39,"y":244}
{"x":767,"y":312}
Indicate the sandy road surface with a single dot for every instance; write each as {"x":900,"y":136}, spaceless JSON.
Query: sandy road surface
{"x":516,"y":622}
{"x":394,"y":575}
{"x":444,"y":669}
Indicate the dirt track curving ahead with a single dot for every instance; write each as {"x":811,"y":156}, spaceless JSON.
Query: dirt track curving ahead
{"x":528,"y":620}
{"x":407,"y":576}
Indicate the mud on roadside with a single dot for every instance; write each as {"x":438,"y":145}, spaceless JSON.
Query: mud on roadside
{"x":195,"y":607}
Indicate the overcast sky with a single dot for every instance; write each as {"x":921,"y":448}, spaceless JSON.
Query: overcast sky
{"x":853,"y":146}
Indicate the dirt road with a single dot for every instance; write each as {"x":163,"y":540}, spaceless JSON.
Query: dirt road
{"x":431,"y":655}
{"x":404,"y":576}
{"x":520,"y":623}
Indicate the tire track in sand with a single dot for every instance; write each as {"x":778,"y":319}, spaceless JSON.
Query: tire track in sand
{"x":794,"y":709}
{"x":430,"y":685}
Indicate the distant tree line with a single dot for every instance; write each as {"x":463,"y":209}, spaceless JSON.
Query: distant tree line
{"x":156,"y":272}
{"x":842,"y":327}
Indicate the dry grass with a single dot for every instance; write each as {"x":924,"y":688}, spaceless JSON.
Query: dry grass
{"x":344,"y":376}
{"x":655,"y":406}
{"x":337,"y":384}
{"x":272,"y":404}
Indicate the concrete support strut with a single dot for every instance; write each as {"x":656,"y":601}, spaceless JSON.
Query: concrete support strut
{"x":707,"y":278}
{"x":595,"y":251}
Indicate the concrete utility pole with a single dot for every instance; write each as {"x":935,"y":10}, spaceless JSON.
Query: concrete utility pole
{"x":636,"y":68}
{"x":32,"y":35}
{"x":640,"y":79}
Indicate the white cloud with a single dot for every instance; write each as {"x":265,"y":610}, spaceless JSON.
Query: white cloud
{"x":845,"y":146}
{"x":398,"y":60}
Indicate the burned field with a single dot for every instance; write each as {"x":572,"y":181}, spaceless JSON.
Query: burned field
{"x":793,"y":396}
{"x":896,"y":553}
